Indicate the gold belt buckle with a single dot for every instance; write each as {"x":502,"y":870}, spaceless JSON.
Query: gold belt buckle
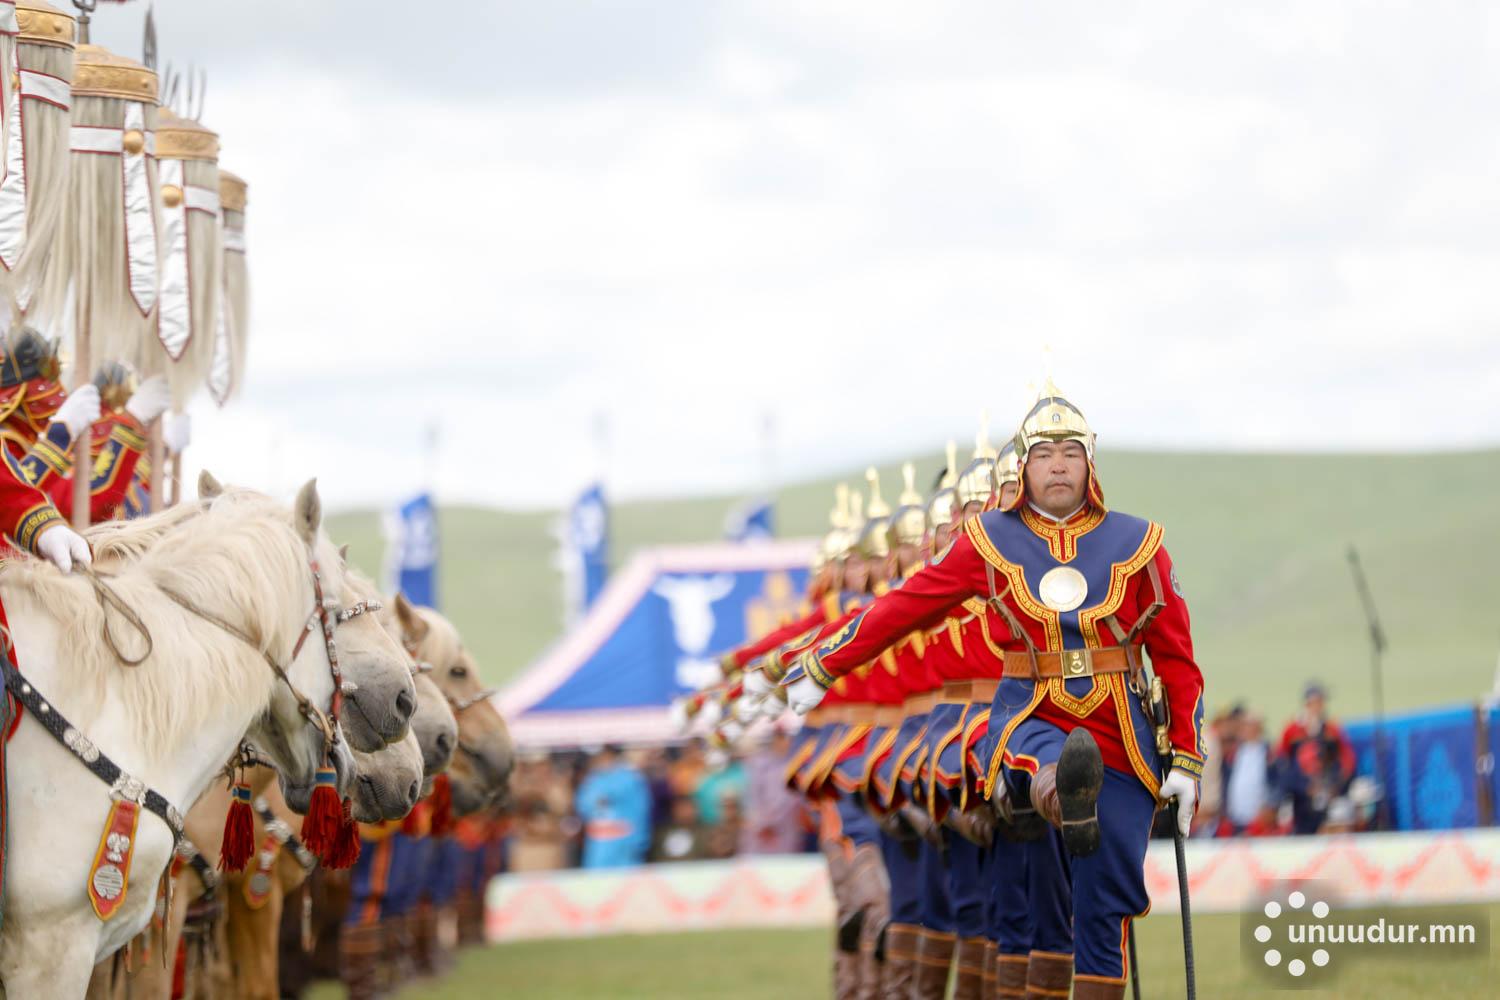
{"x":1077,"y":663}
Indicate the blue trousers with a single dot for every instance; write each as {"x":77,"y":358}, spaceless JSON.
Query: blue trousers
{"x":1109,"y":886}
{"x":906,"y":882}
{"x":968,"y":864}
{"x":1008,"y":909}
{"x":859,"y":826}
{"x":937,"y":902}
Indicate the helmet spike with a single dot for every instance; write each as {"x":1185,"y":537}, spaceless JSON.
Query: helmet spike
{"x":877,"y":506}
{"x":950,"y":474}
{"x":909,"y":494}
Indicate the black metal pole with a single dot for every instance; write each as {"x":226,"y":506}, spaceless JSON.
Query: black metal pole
{"x":1135,"y":975}
{"x":1187,"y":907}
{"x":1377,"y":681}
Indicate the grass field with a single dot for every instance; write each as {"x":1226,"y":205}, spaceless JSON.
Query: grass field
{"x":1259,"y":542}
{"x":793,"y":964}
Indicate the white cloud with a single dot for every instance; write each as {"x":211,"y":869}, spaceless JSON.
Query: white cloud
{"x":1231,"y":225}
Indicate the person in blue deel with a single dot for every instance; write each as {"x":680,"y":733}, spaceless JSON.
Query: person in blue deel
{"x":614,"y":803}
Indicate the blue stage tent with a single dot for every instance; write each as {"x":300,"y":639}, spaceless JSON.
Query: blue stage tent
{"x":655,"y":633}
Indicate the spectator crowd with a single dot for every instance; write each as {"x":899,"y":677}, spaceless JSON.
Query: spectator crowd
{"x":614,"y":807}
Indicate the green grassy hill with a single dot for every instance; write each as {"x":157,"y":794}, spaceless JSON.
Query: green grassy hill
{"x":1259,"y":543}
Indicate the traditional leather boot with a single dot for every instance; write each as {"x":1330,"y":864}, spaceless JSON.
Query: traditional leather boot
{"x":1010,"y":976}
{"x":1065,"y":793}
{"x":970,"y":960}
{"x":976,"y":826}
{"x":1048,"y":975}
{"x":900,"y":961}
{"x":359,"y":960}
{"x":845,"y":974}
{"x":934,"y":959}
{"x":988,"y":989}
{"x":398,"y":948}
{"x":1094,"y":988}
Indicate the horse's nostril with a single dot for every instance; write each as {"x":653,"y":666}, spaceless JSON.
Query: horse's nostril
{"x":444,"y":744}
{"x":413,"y":792}
{"x":405,"y":704}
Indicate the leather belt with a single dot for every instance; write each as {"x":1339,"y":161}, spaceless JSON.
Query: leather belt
{"x":971,"y":692}
{"x":889,"y":716}
{"x":920,"y":704}
{"x":1070,"y":663}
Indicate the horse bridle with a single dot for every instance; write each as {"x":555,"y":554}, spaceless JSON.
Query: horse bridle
{"x":458,"y":705}
{"x":326,"y":614}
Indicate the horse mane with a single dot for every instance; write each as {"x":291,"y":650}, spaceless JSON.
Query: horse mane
{"x":117,"y":542}
{"x":232,"y":556}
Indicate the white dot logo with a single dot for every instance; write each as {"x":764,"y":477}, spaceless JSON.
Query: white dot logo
{"x":1284,"y":937}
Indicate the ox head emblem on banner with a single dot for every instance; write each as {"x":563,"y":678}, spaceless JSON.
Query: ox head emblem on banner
{"x":690,"y":601}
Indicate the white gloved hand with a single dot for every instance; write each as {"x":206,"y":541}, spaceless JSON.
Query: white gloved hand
{"x":711,"y":713}
{"x":755,"y":689}
{"x":150,"y":399}
{"x":1180,"y":785}
{"x":80,"y":409}
{"x":64,"y":548}
{"x":804,"y":694}
{"x":678,"y":714}
{"x":176,"y":432}
{"x":745,"y":710}
{"x":731,"y":731}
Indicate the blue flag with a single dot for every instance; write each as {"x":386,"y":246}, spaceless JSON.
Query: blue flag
{"x":585,"y":537}
{"x":412,"y":550}
{"x":752,"y":521}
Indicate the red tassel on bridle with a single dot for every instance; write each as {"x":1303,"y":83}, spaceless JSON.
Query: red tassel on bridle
{"x":345,"y":850}
{"x":239,"y":831}
{"x":320,"y":827}
{"x":442,"y":806}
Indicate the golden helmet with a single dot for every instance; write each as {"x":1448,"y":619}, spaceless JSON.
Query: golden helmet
{"x":1053,"y":418}
{"x":909,"y":523}
{"x":1007,"y":465}
{"x":874,"y":534}
{"x":975,"y":481}
{"x":836,"y":542}
{"x":940,"y":504}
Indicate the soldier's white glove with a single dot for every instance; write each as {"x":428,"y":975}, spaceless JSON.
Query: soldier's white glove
{"x":150,"y":399}
{"x":711,"y":713}
{"x":731,"y":731}
{"x":64,"y":548}
{"x":804,"y":694}
{"x":1180,"y":785}
{"x":774,"y":704}
{"x":678,"y":714}
{"x":80,"y":409}
{"x":757,"y":686}
{"x":176,"y":432}
{"x":745,"y":710}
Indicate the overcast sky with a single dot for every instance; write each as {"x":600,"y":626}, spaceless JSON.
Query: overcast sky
{"x":1259,"y":226}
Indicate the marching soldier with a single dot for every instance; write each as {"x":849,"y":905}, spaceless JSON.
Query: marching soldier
{"x":1075,"y":732}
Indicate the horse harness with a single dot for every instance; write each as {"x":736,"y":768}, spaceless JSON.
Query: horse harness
{"x":125,"y":787}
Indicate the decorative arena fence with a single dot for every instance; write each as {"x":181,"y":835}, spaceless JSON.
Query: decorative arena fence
{"x":1457,"y":866}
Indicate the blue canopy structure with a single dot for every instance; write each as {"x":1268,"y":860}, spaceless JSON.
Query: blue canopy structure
{"x":655,"y":633}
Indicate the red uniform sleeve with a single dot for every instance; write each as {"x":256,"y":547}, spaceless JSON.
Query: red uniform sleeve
{"x":826,"y":608}
{"x":1169,"y":642}
{"x":25,"y":511}
{"x":921,"y":602}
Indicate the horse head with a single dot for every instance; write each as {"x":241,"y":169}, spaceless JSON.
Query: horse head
{"x":481,"y":768}
{"x":387,"y":783}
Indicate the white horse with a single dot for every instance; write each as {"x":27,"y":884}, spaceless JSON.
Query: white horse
{"x":241,"y":569}
{"x":379,"y":696}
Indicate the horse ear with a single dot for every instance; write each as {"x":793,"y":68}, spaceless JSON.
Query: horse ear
{"x":344,"y":553}
{"x":307,"y":513}
{"x":411,"y":622}
{"x":208,"y":486}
